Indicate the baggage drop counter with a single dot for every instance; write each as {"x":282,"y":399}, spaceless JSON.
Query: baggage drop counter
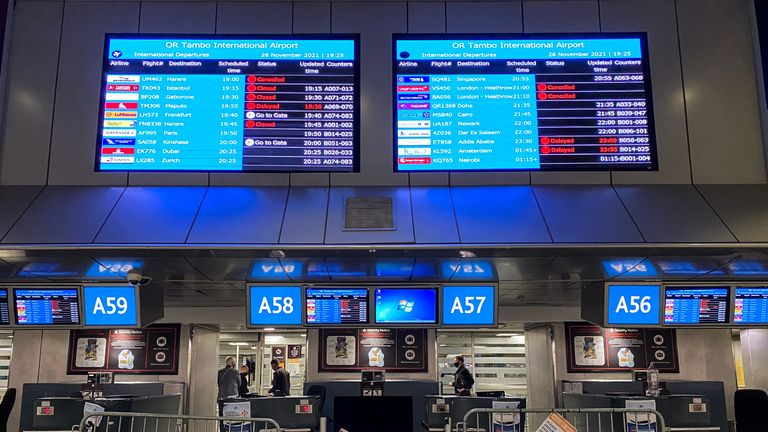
{"x":438,"y":409}
{"x":292,"y":413}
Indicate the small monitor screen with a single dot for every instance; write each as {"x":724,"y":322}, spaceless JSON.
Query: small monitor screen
{"x":337,"y":306}
{"x":696,"y":305}
{"x":232,"y":103}
{"x":5,"y":317}
{"x":406,"y":306}
{"x":751,"y":306}
{"x":522,"y":102}
{"x":47,"y":306}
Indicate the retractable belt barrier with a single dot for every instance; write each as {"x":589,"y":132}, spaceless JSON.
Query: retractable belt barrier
{"x":562,"y":420}
{"x":144,"y":422}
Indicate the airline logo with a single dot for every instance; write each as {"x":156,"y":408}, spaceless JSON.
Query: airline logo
{"x":119,"y":133}
{"x":117,"y":159}
{"x":416,"y":151}
{"x":118,"y":141}
{"x":123,"y":87}
{"x":118,"y":151}
{"x":121,"y":105}
{"x":415,"y":141}
{"x":411,"y":133}
{"x":120,"y":123}
{"x":120,"y":114}
{"x":123,"y":78}
{"x":413,"y":124}
{"x":121,"y":96}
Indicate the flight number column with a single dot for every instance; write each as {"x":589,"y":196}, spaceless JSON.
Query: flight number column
{"x":180,"y":116}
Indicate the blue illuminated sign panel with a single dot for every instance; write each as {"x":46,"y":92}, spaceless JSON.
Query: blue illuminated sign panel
{"x":633,"y":304}
{"x":274,"y":306}
{"x":110,"y":306}
{"x":522,"y":102}
{"x":229,"y":103}
{"x":469,"y":305}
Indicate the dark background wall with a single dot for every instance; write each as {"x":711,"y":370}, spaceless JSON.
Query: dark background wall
{"x":702,"y":63}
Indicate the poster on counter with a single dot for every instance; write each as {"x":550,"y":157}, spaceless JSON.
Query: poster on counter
{"x":354,"y":350}
{"x":595,"y":349}
{"x":236,"y":409}
{"x":641,"y":421}
{"x":153,"y":350}
{"x":506,"y":422}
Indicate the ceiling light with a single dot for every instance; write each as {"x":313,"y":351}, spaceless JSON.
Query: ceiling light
{"x":505,"y":334}
{"x":269,"y":329}
{"x":467,"y":254}
{"x":254,"y":347}
{"x":238,"y":344}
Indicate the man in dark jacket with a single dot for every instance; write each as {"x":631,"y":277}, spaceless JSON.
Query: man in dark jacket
{"x":463,"y":380}
{"x":281,"y":381}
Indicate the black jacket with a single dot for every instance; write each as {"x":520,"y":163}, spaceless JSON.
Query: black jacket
{"x":463,"y":380}
{"x":281,"y":383}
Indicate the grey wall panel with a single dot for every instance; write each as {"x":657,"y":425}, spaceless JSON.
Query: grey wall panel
{"x":720,"y":91}
{"x":305,"y":213}
{"x":744,"y":208}
{"x":433,"y":217}
{"x":586,"y":214}
{"x":375,"y":21}
{"x":314,"y":17}
{"x":32,"y":60}
{"x":426,"y":17}
{"x":75,"y":120}
{"x":485,"y":17}
{"x":175,"y":17}
{"x":253,"y":18}
{"x":498,"y":214}
{"x":672,"y":214}
{"x":152,"y":215}
{"x":14,"y":200}
{"x":559,"y":16}
{"x":65,"y":214}
{"x":401,"y":207}
{"x":657,"y":18}
{"x":240,"y":215}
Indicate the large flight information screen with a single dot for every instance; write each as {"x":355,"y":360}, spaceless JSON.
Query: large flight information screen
{"x":751,"y":306}
{"x":337,"y":306}
{"x":522,"y":102}
{"x":230,"y":103}
{"x":695,"y":305}
{"x":47,"y":306}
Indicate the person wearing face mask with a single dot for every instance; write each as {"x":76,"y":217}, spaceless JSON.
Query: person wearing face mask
{"x":463,"y":380}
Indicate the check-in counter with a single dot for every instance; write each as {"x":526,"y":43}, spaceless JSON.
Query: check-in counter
{"x":679,"y":405}
{"x":63,"y":413}
{"x":292,"y":413}
{"x":440,"y":408}
{"x":682,"y":413}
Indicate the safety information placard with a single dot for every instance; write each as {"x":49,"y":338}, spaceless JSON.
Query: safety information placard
{"x":556,"y":423}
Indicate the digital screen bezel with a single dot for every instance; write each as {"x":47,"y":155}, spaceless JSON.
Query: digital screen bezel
{"x":14,"y":312}
{"x":438,"y":300}
{"x":642,"y":36}
{"x":693,"y":286}
{"x":369,"y":305}
{"x":354,"y":37}
{"x":733,"y":305}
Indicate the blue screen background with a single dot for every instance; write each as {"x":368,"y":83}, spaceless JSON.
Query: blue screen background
{"x":402,"y":306}
{"x":90,"y":294}
{"x":487,"y":314}
{"x":259,"y":293}
{"x":616,"y":292}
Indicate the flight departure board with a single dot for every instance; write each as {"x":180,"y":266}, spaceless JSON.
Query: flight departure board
{"x":5,"y":315}
{"x":751,"y":306}
{"x":230,"y":103}
{"x":336,"y":306}
{"x":696,"y":305}
{"x":522,"y":102}
{"x":45,"y":306}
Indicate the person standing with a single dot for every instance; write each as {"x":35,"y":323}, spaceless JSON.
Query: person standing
{"x":229,"y":379}
{"x":244,"y":383}
{"x":463,"y":380}
{"x":281,"y":380}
